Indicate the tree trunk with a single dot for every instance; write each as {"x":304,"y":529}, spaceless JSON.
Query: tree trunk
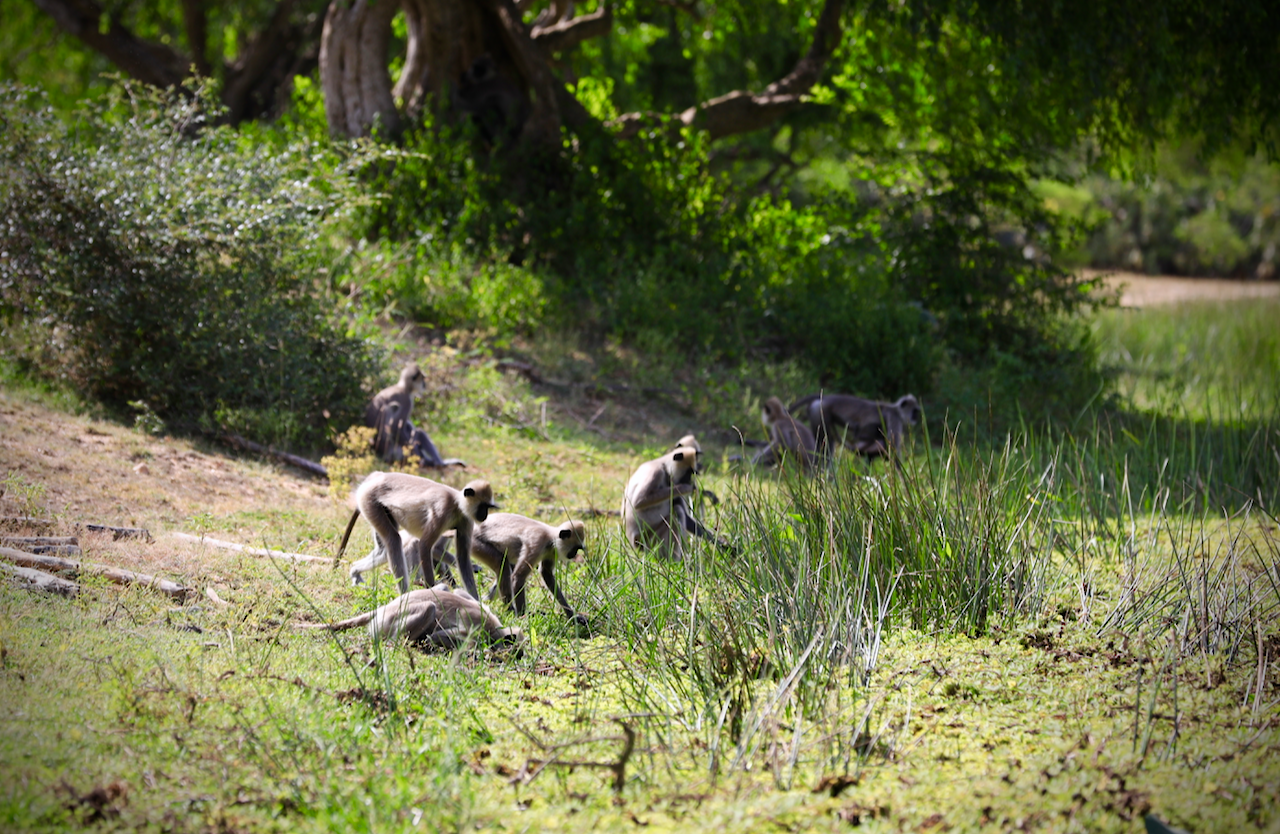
{"x":445,"y":38}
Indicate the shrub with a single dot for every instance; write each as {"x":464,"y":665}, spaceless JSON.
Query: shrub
{"x":641,"y":242}
{"x":169,"y":264}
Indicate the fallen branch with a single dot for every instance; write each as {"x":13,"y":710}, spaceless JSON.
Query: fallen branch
{"x":49,"y":545}
{"x":118,"y":533}
{"x":213,"y":596}
{"x":619,"y":768}
{"x":238,"y":442}
{"x":40,"y":581}
{"x":253,"y":551}
{"x":120,"y":576}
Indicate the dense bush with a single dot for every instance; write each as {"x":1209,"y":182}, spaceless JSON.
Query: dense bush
{"x":640,"y":240}
{"x":159,"y":263}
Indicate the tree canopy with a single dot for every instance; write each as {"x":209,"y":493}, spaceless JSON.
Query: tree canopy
{"x":1004,"y":76}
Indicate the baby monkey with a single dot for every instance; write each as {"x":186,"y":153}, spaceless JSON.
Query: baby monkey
{"x":787,"y":437}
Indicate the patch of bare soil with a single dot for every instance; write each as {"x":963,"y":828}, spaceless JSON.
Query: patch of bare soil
{"x":1152,"y":290}
{"x":92,"y":472}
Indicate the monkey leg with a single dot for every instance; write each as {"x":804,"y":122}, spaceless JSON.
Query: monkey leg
{"x":669,"y":539}
{"x":422,"y":446}
{"x":388,"y":533}
{"x":549,"y":579}
{"x":462,"y":546}
{"x":519,"y":579}
{"x":376,"y":557}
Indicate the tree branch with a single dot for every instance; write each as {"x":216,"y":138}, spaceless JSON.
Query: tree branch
{"x":148,"y":62}
{"x":566,"y":34}
{"x":544,"y":122}
{"x":743,"y":112}
{"x":254,"y":60}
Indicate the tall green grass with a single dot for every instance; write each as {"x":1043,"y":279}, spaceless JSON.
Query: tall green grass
{"x":1213,"y":361}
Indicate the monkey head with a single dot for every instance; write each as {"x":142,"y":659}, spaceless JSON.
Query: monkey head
{"x":910,"y":408}
{"x":681,"y":464}
{"x":772,"y":412}
{"x":413,"y":380}
{"x":478,"y":496}
{"x":692,"y":442}
{"x":571,"y":540}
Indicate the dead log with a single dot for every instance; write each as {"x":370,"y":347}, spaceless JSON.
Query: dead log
{"x":253,"y":551}
{"x":21,"y":542}
{"x":40,"y":581}
{"x":120,"y":576}
{"x":238,"y":442}
{"x":49,"y":545}
{"x":118,"y":533}
{"x":55,"y":549}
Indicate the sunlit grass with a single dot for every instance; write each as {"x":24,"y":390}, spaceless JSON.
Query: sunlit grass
{"x":1217,"y":361}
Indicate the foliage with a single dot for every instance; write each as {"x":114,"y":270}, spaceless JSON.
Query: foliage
{"x":165,"y":262}
{"x":644,"y":242}
{"x":1190,"y":216}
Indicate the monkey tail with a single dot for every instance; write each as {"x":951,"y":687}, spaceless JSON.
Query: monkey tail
{"x":342,"y":625}
{"x":802,"y":402}
{"x":345,"y":536}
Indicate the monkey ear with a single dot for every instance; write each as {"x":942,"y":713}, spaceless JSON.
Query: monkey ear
{"x":469,"y":492}
{"x":678,"y":456}
{"x":564,"y":534}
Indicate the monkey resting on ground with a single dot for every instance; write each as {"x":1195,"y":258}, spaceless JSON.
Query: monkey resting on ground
{"x":654,"y":512}
{"x":391,"y":501}
{"x":787,"y":437}
{"x":389,"y":412}
{"x":866,"y":427}
{"x":430,"y":617}
{"x":511,"y":546}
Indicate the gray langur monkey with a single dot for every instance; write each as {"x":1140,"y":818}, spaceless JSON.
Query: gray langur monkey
{"x":513,"y":545}
{"x":392,"y":501}
{"x":433,"y":617}
{"x":867,"y":427}
{"x":389,"y":413}
{"x":412,"y":549}
{"x":701,"y":491}
{"x":787,"y":437}
{"x":654,"y":509}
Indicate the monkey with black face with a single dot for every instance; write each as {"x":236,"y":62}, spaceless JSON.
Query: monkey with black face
{"x":654,"y":509}
{"x":434,"y":617}
{"x":497,"y":106}
{"x":701,"y":491}
{"x":513,"y":546}
{"x":866,"y":427}
{"x":391,"y":501}
{"x":787,"y":437}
